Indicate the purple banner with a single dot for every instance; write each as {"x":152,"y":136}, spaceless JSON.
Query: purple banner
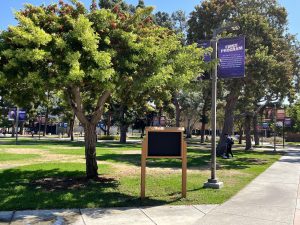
{"x":265,"y":125}
{"x":287,"y":122}
{"x":12,"y":113}
{"x":207,"y":59}
{"x":22,"y":115}
{"x":231,"y":53}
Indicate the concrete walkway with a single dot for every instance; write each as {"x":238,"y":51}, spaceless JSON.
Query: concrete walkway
{"x":272,"y":198}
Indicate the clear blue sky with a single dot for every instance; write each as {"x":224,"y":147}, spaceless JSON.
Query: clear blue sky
{"x":7,"y":7}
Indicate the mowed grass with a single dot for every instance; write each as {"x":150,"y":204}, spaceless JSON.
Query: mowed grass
{"x":13,"y":157}
{"x":62,"y":185}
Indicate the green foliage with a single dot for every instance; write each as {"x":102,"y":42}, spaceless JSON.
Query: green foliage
{"x":270,"y":55}
{"x":163,"y":19}
{"x":67,"y":48}
{"x":93,"y":55}
{"x":294,"y":112}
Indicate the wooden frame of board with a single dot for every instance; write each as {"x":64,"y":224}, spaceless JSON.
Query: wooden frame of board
{"x":145,"y":155}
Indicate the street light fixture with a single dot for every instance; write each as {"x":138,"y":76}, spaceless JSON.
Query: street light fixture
{"x":213,"y":182}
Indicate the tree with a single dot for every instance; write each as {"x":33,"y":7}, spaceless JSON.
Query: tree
{"x":164,"y":19}
{"x":88,"y":55}
{"x":141,"y":4}
{"x":267,"y":65}
{"x":191,"y":101}
{"x":180,"y":22}
{"x":294,"y":112}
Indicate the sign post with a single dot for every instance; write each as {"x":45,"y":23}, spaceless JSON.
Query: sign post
{"x":162,"y":142}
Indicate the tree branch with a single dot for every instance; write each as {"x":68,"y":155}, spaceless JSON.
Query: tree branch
{"x":99,"y":107}
{"x":74,"y":99}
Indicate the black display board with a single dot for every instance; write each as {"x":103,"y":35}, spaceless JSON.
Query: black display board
{"x":164,"y":144}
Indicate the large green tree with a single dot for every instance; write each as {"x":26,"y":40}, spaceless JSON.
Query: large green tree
{"x":89,"y":55}
{"x":268,"y":64}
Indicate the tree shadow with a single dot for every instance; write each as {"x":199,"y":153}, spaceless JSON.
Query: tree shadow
{"x":118,"y":145}
{"x":106,"y":144}
{"x":197,"y":159}
{"x":43,"y":142}
{"x":135,"y":159}
{"x":48,"y":189}
{"x":246,"y":159}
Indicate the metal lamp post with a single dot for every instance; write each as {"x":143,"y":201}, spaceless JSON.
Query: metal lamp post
{"x":213,"y":181}
{"x":275,"y":125}
{"x":17,"y":125}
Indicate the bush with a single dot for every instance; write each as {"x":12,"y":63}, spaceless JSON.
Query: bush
{"x":109,"y":137}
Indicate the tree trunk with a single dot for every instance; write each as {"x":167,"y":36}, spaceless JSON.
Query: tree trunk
{"x":202,"y":132}
{"x":123,"y":126}
{"x":90,"y":150}
{"x":123,"y":131}
{"x":32,"y":128}
{"x":240,"y":134}
{"x":13,"y":129}
{"x":46,"y":122}
{"x":108,"y":124}
{"x":177,"y":111}
{"x":71,"y":130}
{"x":255,"y":131}
{"x":231,"y":101}
{"x":143,"y":132}
{"x":89,"y":123}
{"x":188,"y":129}
{"x":22,"y":128}
{"x":159,"y":114}
{"x":248,"y":132}
{"x":203,"y":123}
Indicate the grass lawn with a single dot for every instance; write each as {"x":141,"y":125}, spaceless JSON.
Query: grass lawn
{"x":58,"y":181}
{"x":293,"y":143}
{"x":13,"y":157}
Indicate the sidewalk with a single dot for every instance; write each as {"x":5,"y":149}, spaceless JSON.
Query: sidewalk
{"x":269,"y":199}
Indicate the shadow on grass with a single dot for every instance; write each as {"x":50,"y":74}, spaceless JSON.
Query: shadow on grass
{"x":196,"y":159}
{"x":135,"y":159}
{"x":247,"y":159}
{"x":107,"y":144}
{"x":29,"y":189}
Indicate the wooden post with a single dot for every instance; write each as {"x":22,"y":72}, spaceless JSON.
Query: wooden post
{"x":184,"y":168}
{"x":143,"y":167}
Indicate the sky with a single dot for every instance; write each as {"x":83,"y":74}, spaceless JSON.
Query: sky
{"x":8,"y":6}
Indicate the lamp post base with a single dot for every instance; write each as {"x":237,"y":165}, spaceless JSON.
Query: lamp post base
{"x":214,"y":184}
